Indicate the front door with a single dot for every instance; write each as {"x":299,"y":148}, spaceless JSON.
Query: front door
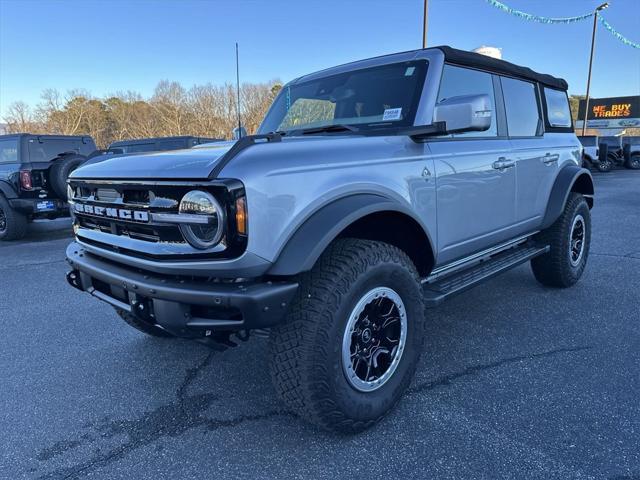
{"x":475,"y":175}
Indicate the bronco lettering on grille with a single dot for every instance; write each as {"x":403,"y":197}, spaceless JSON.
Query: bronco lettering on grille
{"x":110,"y":212}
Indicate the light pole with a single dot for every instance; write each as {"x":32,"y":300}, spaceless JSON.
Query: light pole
{"x":593,"y":41}
{"x":424,"y":24}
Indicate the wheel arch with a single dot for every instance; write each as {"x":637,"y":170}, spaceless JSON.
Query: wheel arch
{"x":570,"y":179}
{"x":356,"y":216}
{"x":7,"y":190}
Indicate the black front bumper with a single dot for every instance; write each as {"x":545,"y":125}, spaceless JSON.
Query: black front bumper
{"x":185,"y":307}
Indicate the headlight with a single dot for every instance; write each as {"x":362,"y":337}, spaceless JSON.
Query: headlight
{"x":208,"y":219}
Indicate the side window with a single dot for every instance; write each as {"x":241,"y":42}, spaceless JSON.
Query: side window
{"x":558,"y":112}
{"x":458,"y":81}
{"x":8,"y":151}
{"x":521,"y":104}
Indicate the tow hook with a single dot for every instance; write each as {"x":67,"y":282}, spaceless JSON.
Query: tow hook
{"x":73,"y":277}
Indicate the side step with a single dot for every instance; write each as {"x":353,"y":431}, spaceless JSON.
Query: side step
{"x":438,"y":290}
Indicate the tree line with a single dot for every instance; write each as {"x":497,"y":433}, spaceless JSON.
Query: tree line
{"x":202,"y":110}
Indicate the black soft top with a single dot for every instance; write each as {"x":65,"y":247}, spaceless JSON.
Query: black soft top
{"x":477,"y":60}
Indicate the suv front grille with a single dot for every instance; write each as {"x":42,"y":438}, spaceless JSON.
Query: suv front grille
{"x":118,"y":216}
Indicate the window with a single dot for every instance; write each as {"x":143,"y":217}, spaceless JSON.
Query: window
{"x":558,"y":112}
{"x":8,"y":151}
{"x":458,"y":81}
{"x":366,"y":98}
{"x":50,"y":148}
{"x":521,"y":104}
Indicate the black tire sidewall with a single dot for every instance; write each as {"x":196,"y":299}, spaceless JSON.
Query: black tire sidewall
{"x":580,"y":208}
{"x":605,"y":166}
{"x":16,"y":222}
{"x":365,"y":406}
{"x":60,"y":171}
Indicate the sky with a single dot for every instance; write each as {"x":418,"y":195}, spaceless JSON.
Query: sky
{"x":113,"y":46}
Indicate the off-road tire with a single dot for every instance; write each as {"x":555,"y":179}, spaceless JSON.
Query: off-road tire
{"x":13,"y":224}
{"x":306,"y":349}
{"x":60,"y":171}
{"x":605,"y":165}
{"x":142,"y":326}
{"x":555,"y":269}
{"x":634,"y":161}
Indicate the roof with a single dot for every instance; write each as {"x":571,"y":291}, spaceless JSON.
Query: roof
{"x":477,"y":60}
{"x":454,"y":56}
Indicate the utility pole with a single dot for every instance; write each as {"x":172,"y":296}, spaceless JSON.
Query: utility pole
{"x":238,"y":93}
{"x":593,"y":42}
{"x":424,"y":24}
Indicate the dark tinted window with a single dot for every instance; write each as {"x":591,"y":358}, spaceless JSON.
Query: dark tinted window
{"x":458,"y":81}
{"x":387,"y":94}
{"x":49,"y":148}
{"x":558,"y":111}
{"x":140,"y":147}
{"x":521,"y":105}
{"x":9,"y":151}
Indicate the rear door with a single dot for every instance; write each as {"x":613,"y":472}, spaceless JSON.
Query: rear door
{"x":537,"y":155}
{"x":475,"y":174}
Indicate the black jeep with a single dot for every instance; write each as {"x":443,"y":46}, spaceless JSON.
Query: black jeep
{"x":33,"y":177}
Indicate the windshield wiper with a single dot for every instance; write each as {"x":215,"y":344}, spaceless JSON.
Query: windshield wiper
{"x":337,"y":127}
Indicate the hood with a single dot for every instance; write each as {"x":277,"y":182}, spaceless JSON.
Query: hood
{"x":192,"y":163}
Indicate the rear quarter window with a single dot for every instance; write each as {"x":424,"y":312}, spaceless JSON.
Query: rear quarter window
{"x":558,"y":111}
{"x":8,"y":151}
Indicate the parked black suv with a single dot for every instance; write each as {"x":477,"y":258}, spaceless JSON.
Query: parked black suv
{"x":614,"y":156}
{"x":33,"y":177}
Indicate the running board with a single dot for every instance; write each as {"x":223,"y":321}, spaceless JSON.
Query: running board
{"x":438,"y":290}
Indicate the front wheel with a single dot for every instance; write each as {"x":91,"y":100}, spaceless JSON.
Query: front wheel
{"x":605,"y":165}
{"x":353,"y":337}
{"x":569,"y":239}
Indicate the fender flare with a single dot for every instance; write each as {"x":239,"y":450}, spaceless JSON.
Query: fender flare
{"x":312,"y":237}
{"x":570,"y":179}
{"x":7,"y":190}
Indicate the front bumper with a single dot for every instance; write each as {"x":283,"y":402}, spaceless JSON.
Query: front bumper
{"x":186,"y":307}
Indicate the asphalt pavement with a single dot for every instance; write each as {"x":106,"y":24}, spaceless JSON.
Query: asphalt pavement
{"x":517,"y":382}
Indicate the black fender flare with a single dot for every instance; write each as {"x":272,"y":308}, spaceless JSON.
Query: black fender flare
{"x":312,"y":237}
{"x":7,"y":190}
{"x":570,"y":179}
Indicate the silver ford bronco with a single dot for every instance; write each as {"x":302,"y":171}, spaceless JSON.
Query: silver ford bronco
{"x":372,"y":191}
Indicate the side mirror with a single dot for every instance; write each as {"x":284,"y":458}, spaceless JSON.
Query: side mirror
{"x":466,"y":113}
{"x":238,"y":133}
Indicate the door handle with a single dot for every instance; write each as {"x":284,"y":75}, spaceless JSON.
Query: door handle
{"x":426,"y":173}
{"x":503,"y":163}
{"x":549,"y":159}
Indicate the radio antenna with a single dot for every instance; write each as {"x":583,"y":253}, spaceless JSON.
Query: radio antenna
{"x":238,"y":93}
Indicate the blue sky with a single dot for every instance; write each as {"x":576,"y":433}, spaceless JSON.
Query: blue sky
{"x":119,"y":45}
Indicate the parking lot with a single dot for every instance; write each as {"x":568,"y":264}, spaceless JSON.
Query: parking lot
{"x":517,"y":381}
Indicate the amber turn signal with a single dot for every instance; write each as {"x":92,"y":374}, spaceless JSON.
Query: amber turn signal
{"x":241,"y":215}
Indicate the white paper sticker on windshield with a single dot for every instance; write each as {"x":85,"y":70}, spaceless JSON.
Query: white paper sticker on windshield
{"x":392,"y":114}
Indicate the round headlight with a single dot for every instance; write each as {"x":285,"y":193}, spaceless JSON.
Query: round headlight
{"x":208,"y":219}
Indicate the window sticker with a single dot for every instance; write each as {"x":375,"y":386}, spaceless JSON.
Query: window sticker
{"x":409,"y":71}
{"x":392,"y":114}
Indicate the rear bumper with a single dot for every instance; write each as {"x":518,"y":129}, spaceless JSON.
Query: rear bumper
{"x":183,"y":306}
{"x":38,"y":206}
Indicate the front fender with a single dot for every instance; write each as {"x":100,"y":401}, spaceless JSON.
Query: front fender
{"x":308,"y":242}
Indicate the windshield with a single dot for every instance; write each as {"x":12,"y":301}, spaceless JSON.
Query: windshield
{"x":370,"y":97}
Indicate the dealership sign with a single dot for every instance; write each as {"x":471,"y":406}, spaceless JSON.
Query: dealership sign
{"x":612,"y":112}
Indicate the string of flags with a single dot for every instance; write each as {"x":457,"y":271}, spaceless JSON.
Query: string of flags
{"x":563,"y":20}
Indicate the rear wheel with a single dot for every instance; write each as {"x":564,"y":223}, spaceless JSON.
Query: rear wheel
{"x":634,"y":161}
{"x":569,"y":239}
{"x":13,"y":224}
{"x":142,"y":326}
{"x":353,"y":337}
